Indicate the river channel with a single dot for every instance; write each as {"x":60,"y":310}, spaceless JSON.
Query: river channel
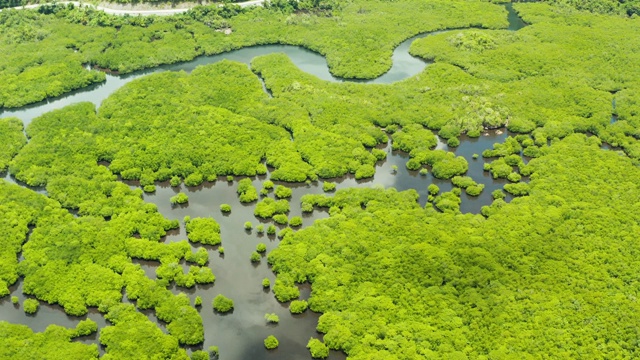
{"x":239,"y":335}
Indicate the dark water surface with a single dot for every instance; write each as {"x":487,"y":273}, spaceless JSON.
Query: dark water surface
{"x":240,"y":334}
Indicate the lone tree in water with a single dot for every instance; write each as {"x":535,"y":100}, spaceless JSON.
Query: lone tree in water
{"x":222,"y":304}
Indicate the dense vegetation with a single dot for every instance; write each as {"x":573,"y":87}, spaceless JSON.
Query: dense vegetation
{"x":67,"y":261}
{"x":77,"y":36}
{"x":203,"y":230}
{"x":131,"y":325}
{"x":551,"y":274}
{"x":12,"y":140}
{"x":591,"y":66}
{"x":18,"y":342}
{"x":545,"y":274}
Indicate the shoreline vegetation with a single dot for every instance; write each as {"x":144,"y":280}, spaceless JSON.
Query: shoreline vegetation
{"x":550,"y":273}
{"x":71,"y":34}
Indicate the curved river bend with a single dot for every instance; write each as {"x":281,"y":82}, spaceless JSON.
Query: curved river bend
{"x":239,"y":335}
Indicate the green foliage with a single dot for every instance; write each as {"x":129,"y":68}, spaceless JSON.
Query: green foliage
{"x":498,"y":194}
{"x":73,"y":253}
{"x":268,"y":207}
{"x":20,"y":342}
{"x":281,"y":219}
{"x":260,"y":229}
{"x":222,"y":304}
{"x":413,"y":136}
{"x":379,"y":154}
{"x":433,"y":189}
{"x":317,"y":349}
{"x":298,"y":306}
{"x":247,"y":191}
{"x":306,"y":207}
{"x":449,"y":167}
{"x":285,"y":288}
{"x":392,"y":279}
{"x":271,"y":342}
{"x":268,"y":185}
{"x":448,"y":202}
{"x":328,"y":186}
{"x":19,"y":208}
{"x":225,"y":208}
{"x":180,"y":198}
{"x":286,"y":231}
{"x":15,"y":300}
{"x":198,"y":301}
{"x":295,"y":221}
{"x":199,"y":355}
{"x":514,"y":177}
{"x":30,"y":306}
{"x":194,"y":179}
{"x":365,"y":171}
{"x":562,"y":95}
{"x":508,"y":147}
{"x":73,"y":36}
{"x":203,"y":230}
{"x":184,"y":322}
{"x":12,"y":140}
{"x":172,"y":271}
{"x":499,"y":168}
{"x":271,"y":230}
{"x":133,"y":335}
{"x":136,"y":218}
{"x":355,"y":263}
{"x":248,"y":225}
{"x":221,"y":250}
{"x":266,"y":283}
{"x":283,"y":192}
{"x":255,"y":257}
{"x":462,"y":181}
{"x":200,"y":257}
{"x":474,"y":190}
{"x":261,"y":247}
{"x":272,"y":318}
{"x":518,"y":189}
{"x":85,"y":327}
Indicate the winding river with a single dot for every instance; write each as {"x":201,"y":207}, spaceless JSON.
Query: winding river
{"x":239,"y":335}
